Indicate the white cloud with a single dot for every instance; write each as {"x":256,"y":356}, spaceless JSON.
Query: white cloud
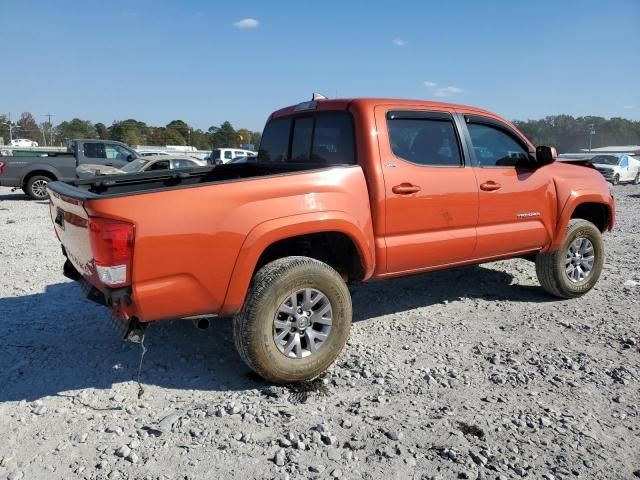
{"x":398,"y":42}
{"x":628,"y":107}
{"x":429,"y":84}
{"x":247,"y":23}
{"x":447,"y":91}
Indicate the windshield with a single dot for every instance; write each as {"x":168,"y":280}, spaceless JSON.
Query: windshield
{"x":606,"y":159}
{"x":135,"y":166}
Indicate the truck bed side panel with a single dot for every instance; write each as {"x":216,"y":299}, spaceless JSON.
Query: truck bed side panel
{"x":187,"y":240}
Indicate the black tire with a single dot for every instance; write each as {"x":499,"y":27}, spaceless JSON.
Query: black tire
{"x":34,"y":187}
{"x":636,"y":180}
{"x":616,"y":179}
{"x":253,"y":326}
{"x":552,"y":271}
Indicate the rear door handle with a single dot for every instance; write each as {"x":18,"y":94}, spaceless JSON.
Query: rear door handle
{"x":405,"y":189}
{"x":490,"y":186}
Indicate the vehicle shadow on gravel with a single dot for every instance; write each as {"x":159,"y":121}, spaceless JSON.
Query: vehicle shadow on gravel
{"x":56,"y":342}
{"x":477,"y":281}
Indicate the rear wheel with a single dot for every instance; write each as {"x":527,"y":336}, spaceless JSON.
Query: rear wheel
{"x":36,"y":187}
{"x":636,"y":180}
{"x":573,"y":269}
{"x":295,"y":321}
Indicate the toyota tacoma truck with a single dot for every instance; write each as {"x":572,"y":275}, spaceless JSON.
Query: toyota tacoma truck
{"x":341,"y":191}
{"x":32,"y":174}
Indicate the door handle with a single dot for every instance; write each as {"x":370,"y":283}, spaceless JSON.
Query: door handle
{"x":405,"y":189}
{"x":490,"y":186}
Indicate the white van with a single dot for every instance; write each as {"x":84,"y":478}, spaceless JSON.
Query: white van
{"x":618,"y":168}
{"x":224,"y":155}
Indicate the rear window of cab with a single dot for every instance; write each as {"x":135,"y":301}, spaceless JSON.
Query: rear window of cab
{"x":319,"y":138}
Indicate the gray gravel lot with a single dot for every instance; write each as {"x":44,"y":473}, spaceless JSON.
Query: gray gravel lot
{"x":467,"y":373}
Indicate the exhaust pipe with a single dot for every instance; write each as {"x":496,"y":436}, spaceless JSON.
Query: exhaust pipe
{"x":201,"y":323}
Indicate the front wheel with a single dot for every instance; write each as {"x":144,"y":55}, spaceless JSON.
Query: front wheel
{"x":573,"y":269}
{"x":295,"y":321}
{"x":616,"y":179}
{"x":36,"y":187}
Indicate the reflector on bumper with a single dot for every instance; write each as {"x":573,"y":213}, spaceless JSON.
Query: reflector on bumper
{"x":110,"y":276}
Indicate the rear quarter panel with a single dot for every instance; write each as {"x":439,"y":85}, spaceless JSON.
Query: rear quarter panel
{"x":191,"y":242}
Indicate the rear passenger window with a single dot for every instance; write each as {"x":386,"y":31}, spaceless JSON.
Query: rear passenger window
{"x":94,"y":150}
{"x":495,"y":148}
{"x":301,"y":142}
{"x":425,"y":141}
{"x":323,"y":138}
{"x":333,"y":140}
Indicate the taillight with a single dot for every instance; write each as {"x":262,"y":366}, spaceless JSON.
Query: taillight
{"x":1,"y":167}
{"x":112,"y":248}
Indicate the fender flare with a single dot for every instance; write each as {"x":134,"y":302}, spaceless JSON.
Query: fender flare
{"x":575,"y":199}
{"x":269,"y":232}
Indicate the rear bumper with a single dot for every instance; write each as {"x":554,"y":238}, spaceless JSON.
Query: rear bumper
{"x":109,"y":297}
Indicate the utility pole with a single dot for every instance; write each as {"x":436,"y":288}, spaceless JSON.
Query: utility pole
{"x":10,"y":128}
{"x":592,"y":132}
{"x":49,"y":115}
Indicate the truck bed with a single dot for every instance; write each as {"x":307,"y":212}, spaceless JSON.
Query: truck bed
{"x":131,"y":184}
{"x":194,"y":228}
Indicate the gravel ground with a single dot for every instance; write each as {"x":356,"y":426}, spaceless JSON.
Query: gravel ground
{"x":467,"y":373}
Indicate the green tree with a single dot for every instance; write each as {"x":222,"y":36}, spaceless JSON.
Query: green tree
{"x":130,"y":131}
{"x":157,"y":136}
{"x":173,"y":137}
{"x":75,"y":128}
{"x":200,"y":140}
{"x":181,"y":127}
{"x":225,"y":136}
{"x":102,"y":131}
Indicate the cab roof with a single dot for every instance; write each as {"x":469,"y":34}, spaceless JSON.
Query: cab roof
{"x":346,"y":103}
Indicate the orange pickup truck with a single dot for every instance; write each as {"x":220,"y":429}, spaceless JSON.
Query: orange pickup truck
{"x":341,"y":191}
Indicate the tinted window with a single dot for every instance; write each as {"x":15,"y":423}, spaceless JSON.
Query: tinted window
{"x":333,"y":140}
{"x":301,"y":142}
{"x":216,"y":155}
{"x":425,"y":141}
{"x":94,"y":150}
{"x":496,"y":148}
{"x":274,"y":145}
{"x":161,"y":165}
{"x":228,"y":155}
{"x":322,"y":137}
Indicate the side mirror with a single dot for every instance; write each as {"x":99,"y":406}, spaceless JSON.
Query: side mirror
{"x":546,"y":155}
{"x":131,"y":157}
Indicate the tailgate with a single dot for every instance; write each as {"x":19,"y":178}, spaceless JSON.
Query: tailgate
{"x":71,"y":224}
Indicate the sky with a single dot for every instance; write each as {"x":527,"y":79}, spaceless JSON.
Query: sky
{"x":205,"y":61}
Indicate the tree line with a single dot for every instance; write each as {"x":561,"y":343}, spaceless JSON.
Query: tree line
{"x":566,"y":133}
{"x":130,"y":131}
{"x":571,"y":134}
